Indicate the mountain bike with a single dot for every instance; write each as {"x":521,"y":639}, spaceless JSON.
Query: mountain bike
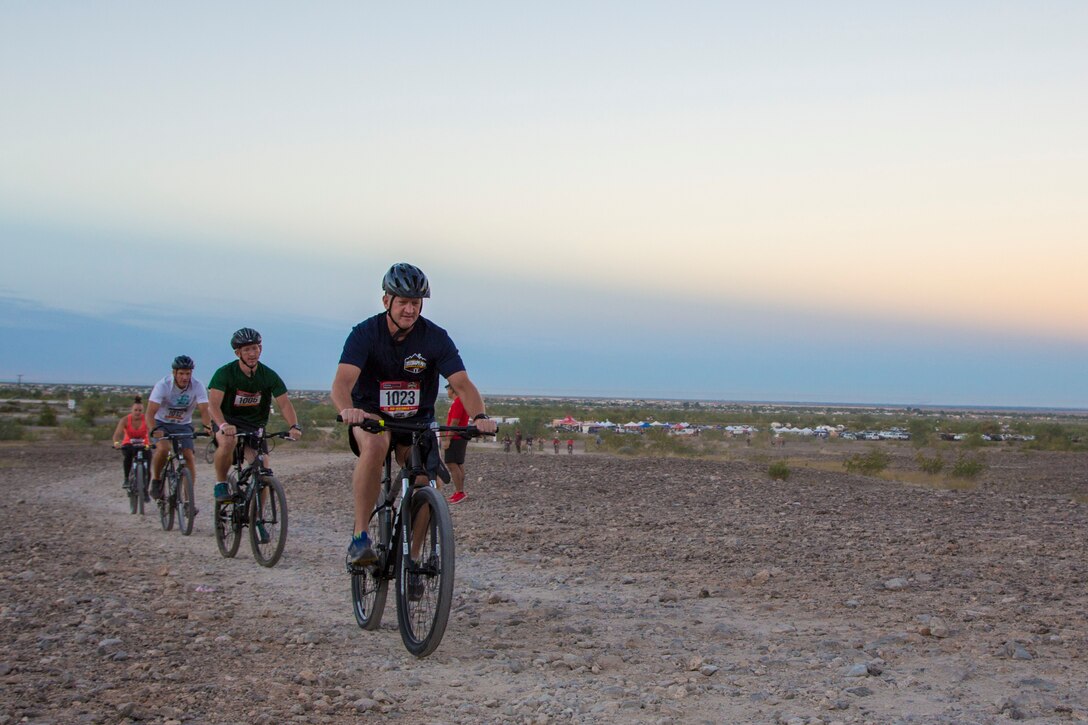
{"x":412,"y":533}
{"x":138,"y":476}
{"x":258,"y":503}
{"x":209,"y":450}
{"x":177,"y":479}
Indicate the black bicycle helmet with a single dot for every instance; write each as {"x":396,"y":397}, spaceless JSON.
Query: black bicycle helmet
{"x":406,"y":280}
{"x":245,"y":336}
{"x":183,"y":362}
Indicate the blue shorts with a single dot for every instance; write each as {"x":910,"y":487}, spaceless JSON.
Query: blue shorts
{"x":175,"y":429}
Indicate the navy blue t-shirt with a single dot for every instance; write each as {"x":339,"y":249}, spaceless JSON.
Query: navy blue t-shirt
{"x":399,"y":379}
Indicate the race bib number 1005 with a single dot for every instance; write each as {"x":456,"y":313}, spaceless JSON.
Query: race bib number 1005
{"x":399,"y":399}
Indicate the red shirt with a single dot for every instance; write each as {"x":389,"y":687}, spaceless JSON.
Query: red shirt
{"x":132,"y":431}
{"x":457,"y":415}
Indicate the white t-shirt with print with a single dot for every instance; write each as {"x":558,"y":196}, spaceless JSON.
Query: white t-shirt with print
{"x":176,"y":405}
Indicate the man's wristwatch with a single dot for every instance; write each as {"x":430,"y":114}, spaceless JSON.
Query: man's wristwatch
{"x":480,"y":416}
{"x":297,"y":427}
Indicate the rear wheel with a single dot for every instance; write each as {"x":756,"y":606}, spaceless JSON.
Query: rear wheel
{"x":370,"y":585}
{"x":166,"y":502}
{"x":425,"y":574}
{"x":186,"y":505}
{"x":268,"y":522}
{"x":228,"y":524}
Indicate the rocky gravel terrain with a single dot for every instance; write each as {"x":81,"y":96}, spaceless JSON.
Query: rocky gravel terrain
{"x":589,"y":589}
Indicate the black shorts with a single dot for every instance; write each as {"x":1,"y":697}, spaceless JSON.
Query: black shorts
{"x":456,"y":452}
{"x":431,"y":459}
{"x":245,"y":428}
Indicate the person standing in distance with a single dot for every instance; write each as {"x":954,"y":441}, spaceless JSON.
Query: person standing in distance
{"x":390,"y":368}
{"x":240,"y":396}
{"x":170,"y":408}
{"x":456,"y":446}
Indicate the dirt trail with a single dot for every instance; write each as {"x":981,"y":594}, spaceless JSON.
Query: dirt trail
{"x":589,"y":589}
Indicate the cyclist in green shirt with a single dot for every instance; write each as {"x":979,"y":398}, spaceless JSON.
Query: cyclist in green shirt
{"x":240,"y":396}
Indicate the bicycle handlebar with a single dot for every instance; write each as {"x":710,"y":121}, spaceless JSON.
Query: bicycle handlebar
{"x":380,"y":425}
{"x":179,"y":436}
{"x":285,"y":434}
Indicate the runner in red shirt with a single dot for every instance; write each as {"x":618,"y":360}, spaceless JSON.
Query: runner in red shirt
{"x":455,"y":446}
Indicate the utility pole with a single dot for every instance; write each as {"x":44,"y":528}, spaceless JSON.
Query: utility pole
{"x":20,"y":376}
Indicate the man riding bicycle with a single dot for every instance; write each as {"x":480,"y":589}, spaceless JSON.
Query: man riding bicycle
{"x":390,"y":368}
{"x":240,"y":395}
{"x":170,"y":409}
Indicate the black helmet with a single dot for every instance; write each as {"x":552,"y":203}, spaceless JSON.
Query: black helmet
{"x":183,"y":362}
{"x":245,"y":336}
{"x":406,"y":280}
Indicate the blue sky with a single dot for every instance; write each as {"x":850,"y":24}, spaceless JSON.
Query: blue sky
{"x":850,"y":202}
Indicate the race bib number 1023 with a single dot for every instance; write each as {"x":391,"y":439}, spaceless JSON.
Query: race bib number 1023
{"x":399,"y":399}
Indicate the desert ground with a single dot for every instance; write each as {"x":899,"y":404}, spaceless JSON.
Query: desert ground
{"x":590,"y":588}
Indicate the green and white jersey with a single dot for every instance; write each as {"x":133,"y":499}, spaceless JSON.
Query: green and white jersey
{"x":247,"y":399}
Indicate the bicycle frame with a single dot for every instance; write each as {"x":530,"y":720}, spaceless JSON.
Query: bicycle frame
{"x":412,"y":535}
{"x":247,"y":472}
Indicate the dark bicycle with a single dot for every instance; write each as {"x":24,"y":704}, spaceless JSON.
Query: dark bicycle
{"x":412,"y":534}
{"x":139,"y":475}
{"x":177,"y":495}
{"x":258,"y":502}
{"x":209,"y":450}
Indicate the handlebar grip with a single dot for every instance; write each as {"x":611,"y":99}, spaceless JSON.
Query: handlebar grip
{"x":369,"y":424}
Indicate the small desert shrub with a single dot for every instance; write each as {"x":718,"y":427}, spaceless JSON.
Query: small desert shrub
{"x":968,"y":468}
{"x":973,"y":441}
{"x":10,"y":431}
{"x":47,"y":417}
{"x":74,"y":429}
{"x":779,"y":470}
{"x":869,"y":464}
{"x":930,"y":465}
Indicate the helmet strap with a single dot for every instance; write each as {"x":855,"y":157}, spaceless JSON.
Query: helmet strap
{"x":402,"y":332}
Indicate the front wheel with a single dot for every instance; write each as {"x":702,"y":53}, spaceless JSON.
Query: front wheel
{"x":130,"y":486}
{"x":425,"y":570}
{"x":186,"y":506}
{"x":370,"y":584}
{"x":268,"y":522}
{"x":166,"y":502}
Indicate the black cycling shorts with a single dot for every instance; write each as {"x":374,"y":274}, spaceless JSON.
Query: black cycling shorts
{"x":245,"y":428}
{"x":456,"y":452}
{"x":431,"y":457}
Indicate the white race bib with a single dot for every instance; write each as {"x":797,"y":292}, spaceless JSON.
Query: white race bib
{"x":399,"y":399}
{"x":242,"y":399}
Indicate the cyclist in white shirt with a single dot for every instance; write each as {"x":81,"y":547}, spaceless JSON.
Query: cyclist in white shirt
{"x":170,"y":409}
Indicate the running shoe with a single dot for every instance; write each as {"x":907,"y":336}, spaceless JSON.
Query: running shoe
{"x":458,"y":497}
{"x":156,"y":488}
{"x":360,"y":552}
{"x":222,"y":492}
{"x":262,"y":533}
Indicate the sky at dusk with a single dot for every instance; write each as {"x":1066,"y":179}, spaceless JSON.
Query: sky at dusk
{"x":848,"y":201}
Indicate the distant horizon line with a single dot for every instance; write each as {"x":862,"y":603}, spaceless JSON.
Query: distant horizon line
{"x":672,"y":399}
